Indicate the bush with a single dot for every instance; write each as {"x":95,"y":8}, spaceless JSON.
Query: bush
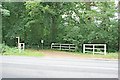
{"x":4,"y":50}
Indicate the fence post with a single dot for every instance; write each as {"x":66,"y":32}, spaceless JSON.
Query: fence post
{"x":93,"y":49}
{"x":51,"y":45}
{"x":60,"y":47}
{"x":83,"y":48}
{"x":105,"y":49}
{"x":69,"y":47}
{"x":76,"y":47}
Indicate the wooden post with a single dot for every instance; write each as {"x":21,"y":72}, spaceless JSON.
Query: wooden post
{"x":51,"y":45}
{"x":69,"y":47}
{"x":19,"y":47}
{"x":60,"y":47}
{"x":83,"y":48}
{"x":105,"y":49}
{"x":93,"y":49}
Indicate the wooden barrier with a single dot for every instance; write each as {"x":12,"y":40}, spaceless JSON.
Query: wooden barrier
{"x":69,"y":47}
{"x":95,"y":48}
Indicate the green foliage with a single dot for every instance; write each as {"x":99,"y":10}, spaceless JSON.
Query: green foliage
{"x":90,"y":55}
{"x":4,"y":12}
{"x":6,"y":50}
{"x":72,"y":22}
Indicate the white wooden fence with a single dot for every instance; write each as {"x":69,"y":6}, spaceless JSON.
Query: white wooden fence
{"x":69,"y":47}
{"x":95,"y":48}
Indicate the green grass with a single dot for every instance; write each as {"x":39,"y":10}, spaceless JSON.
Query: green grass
{"x":28,"y":52}
{"x":86,"y":55}
{"x":90,"y":55}
{"x":6,"y":50}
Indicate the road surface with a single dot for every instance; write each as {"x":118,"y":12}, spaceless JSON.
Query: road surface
{"x":48,"y":67}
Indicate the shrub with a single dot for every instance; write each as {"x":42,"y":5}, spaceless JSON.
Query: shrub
{"x":4,"y":49}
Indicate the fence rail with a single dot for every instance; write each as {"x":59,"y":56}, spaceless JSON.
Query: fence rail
{"x":69,"y":47}
{"x":95,"y":48}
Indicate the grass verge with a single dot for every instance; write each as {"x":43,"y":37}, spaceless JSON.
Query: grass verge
{"x":29,"y":52}
{"x":15,"y":52}
{"x":85,"y":55}
{"x":97,"y":55}
{"x":107,"y":56}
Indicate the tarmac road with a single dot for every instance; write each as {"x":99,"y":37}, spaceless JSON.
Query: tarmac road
{"x":48,"y":67}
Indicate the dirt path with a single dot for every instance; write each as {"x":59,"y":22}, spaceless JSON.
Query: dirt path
{"x":65,"y":54}
{"x":53,"y":53}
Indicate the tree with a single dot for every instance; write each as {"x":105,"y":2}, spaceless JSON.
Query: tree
{"x":4,"y":11}
{"x":72,"y":22}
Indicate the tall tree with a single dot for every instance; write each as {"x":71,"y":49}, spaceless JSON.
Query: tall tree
{"x":72,"y":22}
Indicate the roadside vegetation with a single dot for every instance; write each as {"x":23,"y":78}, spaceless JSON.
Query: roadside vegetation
{"x":107,"y":56}
{"x":57,"y":53}
{"x":8,"y":51}
{"x":69,"y":23}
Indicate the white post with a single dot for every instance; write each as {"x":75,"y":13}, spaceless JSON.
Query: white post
{"x":60,"y":47}
{"x":69,"y":47}
{"x":19,"y":47}
{"x":93,"y":49}
{"x":18,"y":39}
{"x":51,"y":45}
{"x":105,"y":49}
{"x":83,"y":48}
{"x":75,"y":47}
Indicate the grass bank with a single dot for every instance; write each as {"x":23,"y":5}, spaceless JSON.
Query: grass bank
{"x":58,"y":53}
{"x":31,"y":52}
{"x":90,"y":55}
{"x":8,"y":51}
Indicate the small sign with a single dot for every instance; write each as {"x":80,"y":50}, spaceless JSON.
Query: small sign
{"x":42,"y":41}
